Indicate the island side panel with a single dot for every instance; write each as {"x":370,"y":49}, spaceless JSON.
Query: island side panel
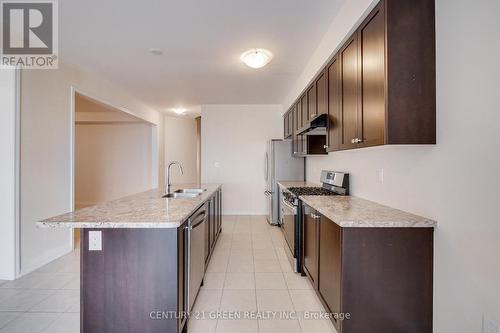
{"x":134,"y":274}
{"x":387,"y":274}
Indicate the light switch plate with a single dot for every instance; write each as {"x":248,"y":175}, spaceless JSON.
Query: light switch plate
{"x":489,"y":326}
{"x":95,"y":241}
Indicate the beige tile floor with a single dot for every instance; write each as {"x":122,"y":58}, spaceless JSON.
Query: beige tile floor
{"x":248,"y":272}
{"x":47,"y":300}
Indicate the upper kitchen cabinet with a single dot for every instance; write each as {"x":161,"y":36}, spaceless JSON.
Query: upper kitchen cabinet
{"x":287,"y":124}
{"x":380,"y":87}
{"x":321,"y":97}
{"x":392,"y":76}
{"x":305,"y":110}
{"x":349,"y":111}
{"x":311,"y":102}
{"x":333,"y":104}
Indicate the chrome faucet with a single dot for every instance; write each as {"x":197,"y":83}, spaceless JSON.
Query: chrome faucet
{"x":168,"y":177}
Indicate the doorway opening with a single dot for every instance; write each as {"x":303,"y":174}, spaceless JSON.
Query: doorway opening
{"x":113,"y":154}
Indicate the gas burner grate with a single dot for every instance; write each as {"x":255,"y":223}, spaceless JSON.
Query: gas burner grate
{"x":298,"y":191}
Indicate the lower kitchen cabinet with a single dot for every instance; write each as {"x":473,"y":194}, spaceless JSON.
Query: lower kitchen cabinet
{"x":381,"y":278}
{"x":214,"y":223}
{"x":310,"y":245}
{"x":182,"y":287}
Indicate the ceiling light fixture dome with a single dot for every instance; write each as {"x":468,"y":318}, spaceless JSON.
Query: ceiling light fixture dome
{"x":257,"y":58}
{"x":179,"y":110}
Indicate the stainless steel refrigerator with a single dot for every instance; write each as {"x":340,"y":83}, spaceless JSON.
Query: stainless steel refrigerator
{"x":280,"y":165}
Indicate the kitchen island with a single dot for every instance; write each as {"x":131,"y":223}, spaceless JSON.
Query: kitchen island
{"x":143,"y":258}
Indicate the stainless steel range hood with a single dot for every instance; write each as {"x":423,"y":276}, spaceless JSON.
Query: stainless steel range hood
{"x":316,"y":126}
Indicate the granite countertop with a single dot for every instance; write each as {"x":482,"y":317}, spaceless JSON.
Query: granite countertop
{"x":349,"y":211}
{"x":292,"y":183}
{"x":143,"y":210}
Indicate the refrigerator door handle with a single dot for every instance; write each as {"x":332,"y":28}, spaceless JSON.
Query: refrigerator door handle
{"x":266,"y":166}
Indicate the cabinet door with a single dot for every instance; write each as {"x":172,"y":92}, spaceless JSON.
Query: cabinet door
{"x":304,"y":110}
{"x":334,"y":114}
{"x":208,"y":236}
{"x":371,"y":36}
{"x":298,"y":116}
{"x":311,"y":102}
{"x":285,"y":125}
{"x":348,"y":57}
{"x":220,"y":210}
{"x":311,"y":244}
{"x":329,"y":263}
{"x":213,"y":229}
{"x":181,"y":274}
{"x":321,"y":94}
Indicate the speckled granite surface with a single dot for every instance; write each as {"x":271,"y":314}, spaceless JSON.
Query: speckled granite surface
{"x":349,"y":212}
{"x":143,"y":210}
{"x":287,"y":184}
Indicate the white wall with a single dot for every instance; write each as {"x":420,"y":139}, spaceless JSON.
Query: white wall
{"x":180,"y":145}
{"x":8,"y":98}
{"x":46,"y":179}
{"x":233,"y":140}
{"x":111,"y":161}
{"x":455,"y":182}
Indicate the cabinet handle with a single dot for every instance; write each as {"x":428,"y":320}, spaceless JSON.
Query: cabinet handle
{"x":315,"y":216}
{"x":325,"y":146}
{"x":356,"y":140}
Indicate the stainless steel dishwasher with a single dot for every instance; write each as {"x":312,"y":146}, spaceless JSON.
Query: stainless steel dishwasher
{"x":196,"y":253}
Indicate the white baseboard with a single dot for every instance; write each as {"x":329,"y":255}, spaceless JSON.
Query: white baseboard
{"x":40,"y":261}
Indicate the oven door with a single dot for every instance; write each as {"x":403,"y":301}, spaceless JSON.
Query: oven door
{"x":288,"y":214}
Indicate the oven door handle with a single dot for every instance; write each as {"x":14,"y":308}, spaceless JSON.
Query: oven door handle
{"x":292,"y":208}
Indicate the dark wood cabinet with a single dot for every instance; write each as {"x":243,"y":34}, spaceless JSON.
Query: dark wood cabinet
{"x":371,"y":37}
{"x":321,"y":94}
{"x":348,"y":60}
{"x":304,"y":110}
{"x":333,"y":105}
{"x":311,"y":102}
{"x":214,"y":227}
{"x":329,"y":279}
{"x":381,"y":277}
{"x":310,"y":245}
{"x":182,"y":276}
{"x":288,"y":124}
{"x":381,"y":84}
{"x":297,"y":117}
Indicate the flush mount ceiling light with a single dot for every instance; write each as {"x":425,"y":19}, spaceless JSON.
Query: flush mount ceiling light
{"x":179,"y":110}
{"x":155,"y":51}
{"x":256,"y":58}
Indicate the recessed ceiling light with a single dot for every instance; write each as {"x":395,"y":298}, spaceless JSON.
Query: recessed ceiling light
{"x":179,"y":110}
{"x":257,"y":58}
{"x":156,"y":51}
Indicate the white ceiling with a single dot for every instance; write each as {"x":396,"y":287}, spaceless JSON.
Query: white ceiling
{"x":202,"y":41}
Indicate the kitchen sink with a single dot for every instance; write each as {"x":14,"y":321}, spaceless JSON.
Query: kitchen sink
{"x":191,"y":190}
{"x":185,"y":193}
{"x":176,"y":195}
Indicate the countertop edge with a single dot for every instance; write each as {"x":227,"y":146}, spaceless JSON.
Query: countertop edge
{"x":423,"y":223}
{"x":126,"y":225}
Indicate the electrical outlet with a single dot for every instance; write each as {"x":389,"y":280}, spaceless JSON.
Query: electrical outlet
{"x":217,"y":164}
{"x":489,"y":326}
{"x":381,"y":176}
{"x":95,"y":241}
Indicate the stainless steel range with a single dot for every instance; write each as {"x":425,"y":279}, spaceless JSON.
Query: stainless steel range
{"x":333,"y":183}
